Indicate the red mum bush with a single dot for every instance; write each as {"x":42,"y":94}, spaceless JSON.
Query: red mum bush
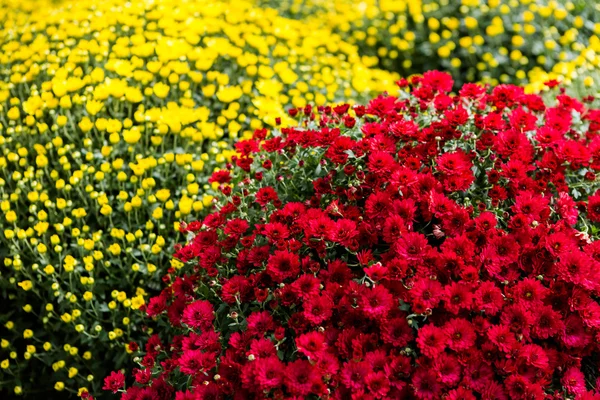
{"x":424,"y":246}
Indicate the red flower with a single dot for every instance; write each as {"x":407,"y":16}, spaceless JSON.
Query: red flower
{"x":345,"y":232}
{"x":530,"y":291}
{"x":397,"y":332}
{"x":426,"y":292}
{"x":236,"y":227}
{"x":425,"y":384}
{"x":198,"y":314}
{"x":377,"y":384}
{"x":318,"y":309}
{"x":573,"y":267}
{"x":311,"y":344}
{"x":156,"y":305}
{"x":502,"y":337}
{"x":283,"y":265}
{"x":458,"y":297}
{"x":533,"y":356}
{"x":306,"y":286}
{"x":574,"y":333}
{"x":195,"y":361}
{"x":461,"y":334}
{"x":376,"y":302}
{"x":574,"y":381}
{"x":266,"y":195}
{"x":259,"y":323}
{"x":394,"y":227}
{"x":114,"y":382}
{"x":269,"y":373}
{"x":300,"y":377}
{"x":222,"y":176}
{"x":548,"y":322}
{"x":381,"y":162}
{"x":276,"y":231}
{"x":439,"y":81}
{"x":432,"y":340}
{"x":448,"y":369}
{"x":413,"y":246}
{"x":378,"y":205}
{"x":517,"y":387}
{"x":517,"y":318}
{"x":353,"y":375}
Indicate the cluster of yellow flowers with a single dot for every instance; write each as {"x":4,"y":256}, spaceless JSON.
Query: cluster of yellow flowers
{"x":516,"y":41}
{"x":112,"y":116}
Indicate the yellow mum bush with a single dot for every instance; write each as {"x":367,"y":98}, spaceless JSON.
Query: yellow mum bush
{"x":112,"y":116}
{"x":516,"y":41}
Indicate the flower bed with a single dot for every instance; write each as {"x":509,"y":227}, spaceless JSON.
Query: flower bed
{"x":422,"y":246}
{"x":509,"y":41}
{"x":112,"y":116}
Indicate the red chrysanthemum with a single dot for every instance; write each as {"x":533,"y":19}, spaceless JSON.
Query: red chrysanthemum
{"x":432,"y":340}
{"x":199,"y":314}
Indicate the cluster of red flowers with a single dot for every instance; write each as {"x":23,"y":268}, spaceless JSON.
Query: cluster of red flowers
{"x":424,"y":246}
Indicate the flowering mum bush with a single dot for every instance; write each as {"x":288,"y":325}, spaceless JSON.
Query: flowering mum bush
{"x":423,"y":246}
{"x":112,"y":116}
{"x":510,"y":41}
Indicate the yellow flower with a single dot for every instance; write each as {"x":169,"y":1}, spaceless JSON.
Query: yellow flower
{"x":59,"y":386}
{"x":157,"y":213}
{"x":114,"y":249}
{"x":106,"y":210}
{"x":160,"y":90}
{"x":13,"y":113}
{"x":11,"y":216}
{"x":85,"y":125}
{"x":132,"y":136}
{"x":137,"y":302}
{"x":25,"y":285}
{"x":229,"y":94}
{"x":163,"y":195}
{"x":72,"y":372}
